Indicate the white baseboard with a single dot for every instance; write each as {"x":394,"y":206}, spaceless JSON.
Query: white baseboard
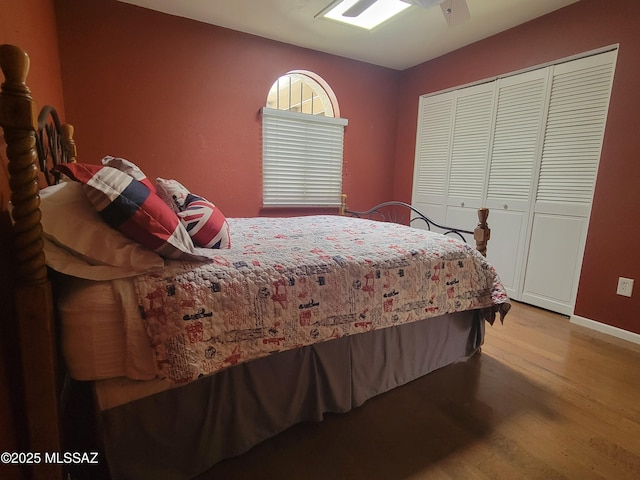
{"x":604,"y":328}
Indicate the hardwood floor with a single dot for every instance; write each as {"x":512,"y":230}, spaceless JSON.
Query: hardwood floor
{"x":545,"y":399}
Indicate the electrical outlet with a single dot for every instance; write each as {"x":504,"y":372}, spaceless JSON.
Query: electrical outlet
{"x":625,"y":286}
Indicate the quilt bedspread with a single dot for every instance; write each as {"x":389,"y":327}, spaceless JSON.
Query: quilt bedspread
{"x":290,"y":282}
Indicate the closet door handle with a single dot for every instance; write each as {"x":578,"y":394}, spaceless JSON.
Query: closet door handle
{"x":462,"y":204}
{"x":505,"y":206}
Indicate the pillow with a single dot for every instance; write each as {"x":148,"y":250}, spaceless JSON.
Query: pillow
{"x":205,"y":223}
{"x":132,"y":208}
{"x":129,"y":168}
{"x":70,"y":222}
{"x":63,"y":261}
{"x":173,"y":193}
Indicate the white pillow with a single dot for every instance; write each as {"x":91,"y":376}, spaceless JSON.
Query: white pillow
{"x":173,"y":193}
{"x":70,"y":222}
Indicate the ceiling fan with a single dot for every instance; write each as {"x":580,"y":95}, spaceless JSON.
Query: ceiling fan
{"x":454,"y":11}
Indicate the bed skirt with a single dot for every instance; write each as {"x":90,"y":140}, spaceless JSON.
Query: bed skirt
{"x":182,"y":432}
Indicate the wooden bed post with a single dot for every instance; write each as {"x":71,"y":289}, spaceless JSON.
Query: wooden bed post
{"x":482,"y":232}
{"x":33,"y":290}
{"x":69,"y":143}
{"x":343,"y":205}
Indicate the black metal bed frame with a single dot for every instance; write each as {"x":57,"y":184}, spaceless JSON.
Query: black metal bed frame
{"x":392,"y":212}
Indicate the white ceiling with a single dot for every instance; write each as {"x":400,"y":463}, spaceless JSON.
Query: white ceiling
{"x":414,"y":36}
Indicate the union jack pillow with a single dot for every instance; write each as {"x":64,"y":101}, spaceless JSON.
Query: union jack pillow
{"x":205,"y":223}
{"x":132,"y":208}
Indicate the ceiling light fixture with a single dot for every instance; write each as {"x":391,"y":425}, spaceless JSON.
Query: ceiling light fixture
{"x":424,"y":3}
{"x":372,"y":16}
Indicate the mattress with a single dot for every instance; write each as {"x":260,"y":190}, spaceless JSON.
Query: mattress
{"x":103,"y":337}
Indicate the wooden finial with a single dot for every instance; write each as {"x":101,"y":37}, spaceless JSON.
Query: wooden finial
{"x":343,"y":204}
{"x":482,"y":232}
{"x":14,"y":63}
{"x":69,"y":142}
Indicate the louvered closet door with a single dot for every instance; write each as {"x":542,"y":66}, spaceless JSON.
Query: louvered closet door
{"x":431,"y":166}
{"x":473,"y":118}
{"x":515,"y":148}
{"x":576,"y":119}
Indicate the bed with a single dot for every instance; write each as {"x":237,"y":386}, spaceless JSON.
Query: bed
{"x":202,"y":354}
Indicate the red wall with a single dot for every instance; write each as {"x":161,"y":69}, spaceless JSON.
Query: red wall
{"x":181,"y":99}
{"x":580,"y":27}
{"x":31,"y":25}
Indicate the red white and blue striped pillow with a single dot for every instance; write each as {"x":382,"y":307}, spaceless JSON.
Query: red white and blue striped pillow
{"x":132,"y":208}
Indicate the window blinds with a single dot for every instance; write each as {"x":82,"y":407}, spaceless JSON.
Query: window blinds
{"x":301,"y":159}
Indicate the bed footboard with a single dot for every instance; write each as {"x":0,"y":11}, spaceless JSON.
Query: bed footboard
{"x":401,"y":212}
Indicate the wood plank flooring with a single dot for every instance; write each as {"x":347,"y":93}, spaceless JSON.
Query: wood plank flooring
{"x":545,"y":399}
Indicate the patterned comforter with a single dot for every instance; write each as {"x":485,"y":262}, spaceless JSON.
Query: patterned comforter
{"x":289,"y":282}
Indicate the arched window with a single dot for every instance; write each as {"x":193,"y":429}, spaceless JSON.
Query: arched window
{"x":300,"y":92}
{"x":302,"y":143}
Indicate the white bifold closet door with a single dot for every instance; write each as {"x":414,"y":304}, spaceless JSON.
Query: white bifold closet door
{"x":450,"y":169}
{"x":514,"y":153}
{"x":574,"y":130}
{"x":527,"y":147}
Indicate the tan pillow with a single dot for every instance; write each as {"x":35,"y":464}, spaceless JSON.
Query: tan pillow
{"x":71,"y":222}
